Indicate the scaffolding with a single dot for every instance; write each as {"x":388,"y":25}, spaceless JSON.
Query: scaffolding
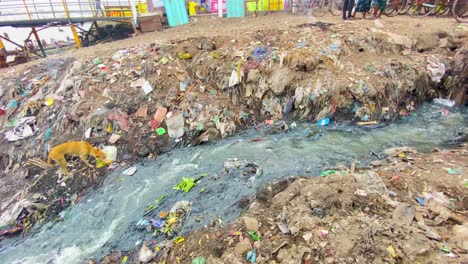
{"x":41,"y":14}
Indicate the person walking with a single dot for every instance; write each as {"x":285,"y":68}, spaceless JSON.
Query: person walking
{"x":379,"y":7}
{"x":98,"y":8}
{"x":348,"y":8}
{"x":363,"y":6}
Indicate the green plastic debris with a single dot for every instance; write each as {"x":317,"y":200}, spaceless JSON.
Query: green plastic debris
{"x":160,"y":131}
{"x":254,"y":236}
{"x":121,"y":178}
{"x":212,"y":92}
{"x":216,"y":120}
{"x":161,"y":198}
{"x":327,"y":172}
{"x":185,"y":185}
{"x":465,"y":184}
{"x":124,"y":260}
{"x":455,"y":171}
{"x":200,"y":126}
{"x":445,"y":249}
{"x":12,"y":122}
{"x":164,"y":60}
{"x":202,"y":190}
{"x":199,"y":260}
{"x":97,"y":61}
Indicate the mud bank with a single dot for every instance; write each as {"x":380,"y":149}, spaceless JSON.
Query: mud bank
{"x":210,"y":87}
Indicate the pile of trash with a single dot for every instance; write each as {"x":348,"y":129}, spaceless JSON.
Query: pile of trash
{"x":146,"y":100}
{"x":395,"y":212}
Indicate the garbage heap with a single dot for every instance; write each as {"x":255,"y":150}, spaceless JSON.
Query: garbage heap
{"x":148,"y":99}
{"x":405,"y":208}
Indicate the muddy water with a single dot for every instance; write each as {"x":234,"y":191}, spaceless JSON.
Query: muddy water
{"x":105,"y":219}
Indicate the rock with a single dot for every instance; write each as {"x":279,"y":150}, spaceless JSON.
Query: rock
{"x":460,"y":235}
{"x":307,"y":236}
{"x":243,"y":247}
{"x":283,"y":227}
{"x":112,"y":258}
{"x":400,"y":40}
{"x":370,"y":182}
{"x":404,"y":214}
{"x":432,"y":233}
{"x":376,"y":163}
{"x":417,"y":244}
{"x":443,"y":43}
{"x":397,"y":150}
{"x":378,"y":24}
{"x":146,"y":254}
{"x":175,"y":125}
{"x":251,"y":223}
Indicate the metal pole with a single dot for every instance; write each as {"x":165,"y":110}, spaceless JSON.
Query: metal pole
{"x":39,"y":42}
{"x":52,"y":7}
{"x":72,"y":27}
{"x":27,"y":9}
{"x":220,"y":8}
{"x":3,"y":50}
{"x":93,"y":12}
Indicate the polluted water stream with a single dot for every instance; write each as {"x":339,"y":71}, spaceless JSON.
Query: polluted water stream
{"x":105,"y":219}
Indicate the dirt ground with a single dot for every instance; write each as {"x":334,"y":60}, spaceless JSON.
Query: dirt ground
{"x":236,"y":27}
{"x":360,"y":64}
{"x":406,"y":208}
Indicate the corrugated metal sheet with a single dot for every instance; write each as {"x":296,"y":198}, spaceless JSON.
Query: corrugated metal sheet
{"x":176,"y":12}
{"x":262,"y":5}
{"x":235,"y":8}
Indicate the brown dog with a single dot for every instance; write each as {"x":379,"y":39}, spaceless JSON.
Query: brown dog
{"x":81,"y":149}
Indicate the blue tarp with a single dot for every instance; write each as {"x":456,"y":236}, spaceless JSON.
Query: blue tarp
{"x":176,"y":12}
{"x":235,"y":8}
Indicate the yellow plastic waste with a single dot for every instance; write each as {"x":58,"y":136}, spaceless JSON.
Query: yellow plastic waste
{"x":215,"y":54}
{"x":179,"y":240}
{"x":192,"y":8}
{"x":109,"y":129}
{"x":172,"y":220}
{"x":184,"y":56}
{"x":49,"y":102}
{"x":101,"y":163}
{"x":391,"y":251}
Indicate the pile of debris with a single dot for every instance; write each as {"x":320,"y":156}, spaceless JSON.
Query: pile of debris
{"x":408,"y":207}
{"x":149,"y":99}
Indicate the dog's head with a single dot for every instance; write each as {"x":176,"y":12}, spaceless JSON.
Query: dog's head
{"x":98,"y":153}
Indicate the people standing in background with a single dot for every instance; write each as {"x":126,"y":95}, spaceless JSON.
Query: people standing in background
{"x":362,"y":6}
{"x":348,"y":7}
{"x":379,"y":7}
{"x":205,"y":5}
{"x":98,"y":8}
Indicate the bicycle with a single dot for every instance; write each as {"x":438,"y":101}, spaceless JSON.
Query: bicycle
{"x":422,"y":8}
{"x":460,"y":10}
{"x":396,"y":7}
{"x":321,"y":7}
